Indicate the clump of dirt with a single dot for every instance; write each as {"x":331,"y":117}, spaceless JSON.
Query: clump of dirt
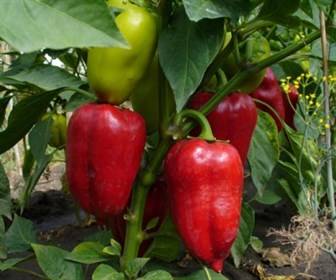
{"x":308,"y":237}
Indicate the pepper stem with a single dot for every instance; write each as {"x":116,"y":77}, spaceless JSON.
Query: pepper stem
{"x":206,"y":131}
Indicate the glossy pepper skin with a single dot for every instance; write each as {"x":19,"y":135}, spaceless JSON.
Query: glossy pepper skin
{"x":234,"y":119}
{"x":113,"y":73}
{"x":58,"y":130}
{"x":205,"y":183}
{"x":104,"y":149}
{"x":270,"y":93}
{"x":290,"y":100}
{"x":156,"y":207}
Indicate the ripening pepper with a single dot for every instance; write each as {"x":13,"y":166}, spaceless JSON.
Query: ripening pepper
{"x":156,"y":207}
{"x":145,"y":97}
{"x":205,"y":183}
{"x":290,"y":100}
{"x":57,"y":130}
{"x":103,"y":154}
{"x":269,"y":92}
{"x":113,"y":73}
{"x":234,"y":119}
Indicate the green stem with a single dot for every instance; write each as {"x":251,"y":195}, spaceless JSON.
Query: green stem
{"x":253,"y":26}
{"x":236,"y":50}
{"x":134,"y":233}
{"x":206,"y":132}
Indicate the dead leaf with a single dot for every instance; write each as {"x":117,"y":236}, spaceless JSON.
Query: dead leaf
{"x":275,"y":257}
{"x":260,"y":272}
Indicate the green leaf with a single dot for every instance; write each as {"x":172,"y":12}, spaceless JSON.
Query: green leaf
{"x":9,"y":263}
{"x":247,"y":223}
{"x":256,"y":244}
{"x":114,"y":249}
{"x":3,"y":248}
{"x":133,"y":267}
{"x":102,"y":236}
{"x":34,"y":178}
{"x":28,"y":164}
{"x":264,"y":151}
{"x":77,"y":100}
{"x":278,"y":10}
{"x":22,"y":118}
{"x":20,"y":235}
{"x":199,"y":9}
{"x":157,"y":274}
{"x":3,"y":106}
{"x":88,"y":253}
{"x":167,"y":244}
{"x":317,"y":50}
{"x":106,"y":272}
{"x":324,"y":4}
{"x":46,"y":77}
{"x":24,"y":61}
{"x":292,"y":196}
{"x":268,"y":197}
{"x":52,"y":262}
{"x":39,"y":138}
{"x":152,"y":223}
{"x":186,"y":49}
{"x":201,"y":275}
{"x":32,"y":25}
{"x":5,"y":198}
{"x":304,"y":149}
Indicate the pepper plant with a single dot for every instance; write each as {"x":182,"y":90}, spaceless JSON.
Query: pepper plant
{"x":139,"y":79}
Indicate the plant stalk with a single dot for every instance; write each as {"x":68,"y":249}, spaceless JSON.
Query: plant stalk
{"x":134,"y":233}
{"x":326,"y":92}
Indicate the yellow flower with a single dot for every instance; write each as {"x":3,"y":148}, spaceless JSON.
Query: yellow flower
{"x":327,"y":125}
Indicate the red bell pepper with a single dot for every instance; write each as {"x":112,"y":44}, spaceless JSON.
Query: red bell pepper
{"x":103,"y":153}
{"x":234,"y":119}
{"x":205,"y":183}
{"x":290,"y":100}
{"x":269,"y":92}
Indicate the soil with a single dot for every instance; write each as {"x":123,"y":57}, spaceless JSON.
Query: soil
{"x":52,"y":212}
